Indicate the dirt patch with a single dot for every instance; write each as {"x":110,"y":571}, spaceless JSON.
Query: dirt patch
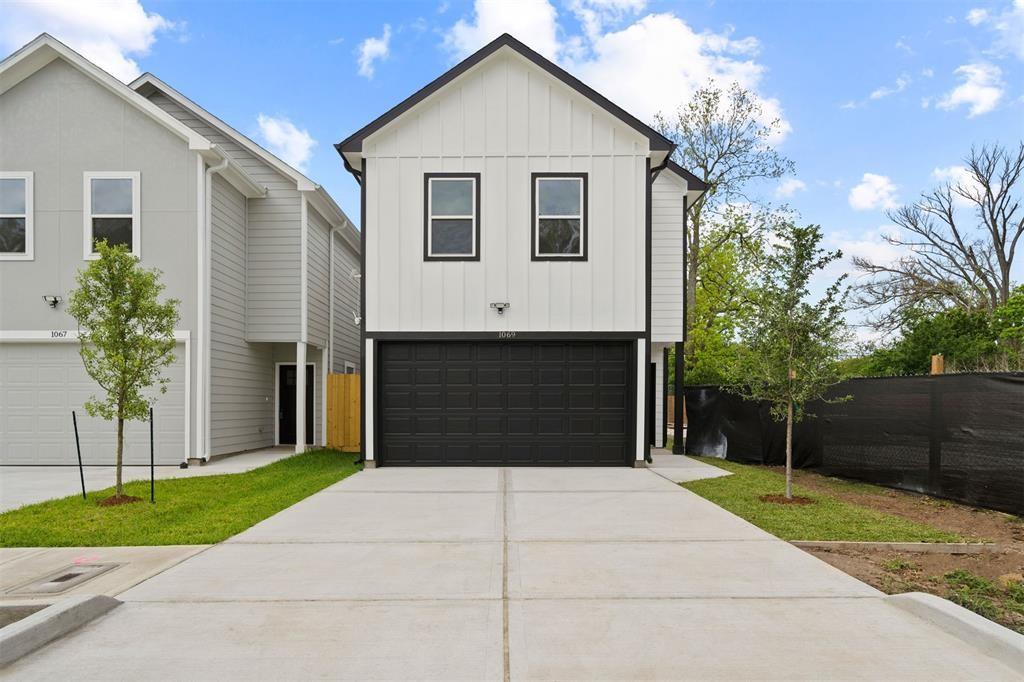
{"x":782,"y":499}
{"x":115,"y":500}
{"x":971,"y":522}
{"x":988,"y":583}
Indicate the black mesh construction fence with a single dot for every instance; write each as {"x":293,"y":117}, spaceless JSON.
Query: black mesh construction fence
{"x":956,"y":436}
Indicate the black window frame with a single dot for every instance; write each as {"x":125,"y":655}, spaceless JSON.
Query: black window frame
{"x":584,"y":216}
{"x":427,"y":256}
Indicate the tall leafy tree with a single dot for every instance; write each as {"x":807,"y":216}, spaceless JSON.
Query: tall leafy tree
{"x":793,"y":344}
{"x":126,"y":337}
{"x":723,"y":136}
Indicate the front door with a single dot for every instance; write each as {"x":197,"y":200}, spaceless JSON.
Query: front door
{"x":286,"y":405}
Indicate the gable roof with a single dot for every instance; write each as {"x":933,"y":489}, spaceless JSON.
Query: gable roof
{"x":44,"y":49}
{"x":321,"y":200}
{"x":695,"y":187}
{"x":353,"y":144}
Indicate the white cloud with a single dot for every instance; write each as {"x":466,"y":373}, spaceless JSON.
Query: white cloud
{"x":373,"y":49}
{"x":532,"y":21}
{"x":903,"y":45}
{"x":111,"y":36}
{"x":957,"y":176}
{"x":789,"y":187}
{"x":899,"y":86}
{"x":650,"y":65}
{"x":981,"y":89}
{"x":977,"y":16}
{"x":873,"y":191}
{"x":294,"y":145}
{"x":1008,"y":27}
{"x":927,"y":73}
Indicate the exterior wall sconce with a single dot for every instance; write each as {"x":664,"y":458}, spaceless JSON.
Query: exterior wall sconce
{"x":52,"y":301}
{"x":501,"y":307}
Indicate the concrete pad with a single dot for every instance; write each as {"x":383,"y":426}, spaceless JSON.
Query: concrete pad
{"x":383,"y":517}
{"x":137,"y":564}
{"x":632,"y":570}
{"x":682,"y":469}
{"x":624,"y":516}
{"x":280,"y":641}
{"x":323,"y":572}
{"x":735,"y":639}
{"x":21,"y":485}
{"x":8,"y":554}
{"x":422,"y":479}
{"x":597,"y":479}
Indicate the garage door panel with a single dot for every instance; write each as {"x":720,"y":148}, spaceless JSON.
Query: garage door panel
{"x":507,"y":402}
{"x":41,"y":383}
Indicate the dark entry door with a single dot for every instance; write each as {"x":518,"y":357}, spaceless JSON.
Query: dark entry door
{"x":652,"y":372}
{"x":506,"y":403}
{"x":286,"y":405}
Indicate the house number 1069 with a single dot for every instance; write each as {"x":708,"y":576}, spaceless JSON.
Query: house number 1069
{"x":507,"y":335}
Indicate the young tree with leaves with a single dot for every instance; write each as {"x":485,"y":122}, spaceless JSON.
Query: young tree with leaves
{"x":792,"y":344}
{"x":126,"y":337}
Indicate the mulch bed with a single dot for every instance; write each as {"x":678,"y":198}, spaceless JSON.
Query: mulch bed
{"x":115,"y":500}
{"x":782,"y":499}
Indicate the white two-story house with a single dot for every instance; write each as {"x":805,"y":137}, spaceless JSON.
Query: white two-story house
{"x":263,"y":261}
{"x":523,"y":261}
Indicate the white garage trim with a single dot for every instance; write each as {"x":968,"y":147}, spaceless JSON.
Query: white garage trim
{"x":71,"y":336}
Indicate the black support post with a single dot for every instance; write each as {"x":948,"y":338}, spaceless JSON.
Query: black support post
{"x":78,"y":447}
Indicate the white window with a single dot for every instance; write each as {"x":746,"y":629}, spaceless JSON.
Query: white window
{"x":349,"y":368}
{"x":16,"y":240}
{"x":111,"y":210}
{"x":452,"y":216}
{"x":559,"y":216}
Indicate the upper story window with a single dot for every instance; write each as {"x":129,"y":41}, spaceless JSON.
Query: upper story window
{"x":452,"y":216}
{"x":16,"y":242}
{"x":559,"y":203}
{"x":111,"y":210}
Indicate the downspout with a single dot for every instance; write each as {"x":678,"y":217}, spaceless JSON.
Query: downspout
{"x":204,"y":296}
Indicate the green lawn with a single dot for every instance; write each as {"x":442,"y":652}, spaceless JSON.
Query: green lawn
{"x":829,"y":519}
{"x":188,"y":511}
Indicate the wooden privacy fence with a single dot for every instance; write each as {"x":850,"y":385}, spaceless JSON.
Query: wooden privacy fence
{"x":343,"y":412}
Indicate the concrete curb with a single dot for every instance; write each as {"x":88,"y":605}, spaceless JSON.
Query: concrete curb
{"x":56,"y":620}
{"x":993,"y":639}
{"x":921,"y":547}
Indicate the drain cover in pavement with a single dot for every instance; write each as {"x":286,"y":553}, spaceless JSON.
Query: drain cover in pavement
{"x":63,"y":579}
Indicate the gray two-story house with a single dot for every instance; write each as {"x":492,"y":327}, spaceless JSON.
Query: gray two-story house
{"x":265,"y":264}
{"x":523,"y":241}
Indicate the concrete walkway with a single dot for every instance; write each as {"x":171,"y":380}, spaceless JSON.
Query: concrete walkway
{"x":682,"y":469}
{"x":491,"y":574}
{"x":21,"y":485}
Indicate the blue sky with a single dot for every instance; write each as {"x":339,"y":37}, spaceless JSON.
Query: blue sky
{"x":880,"y":99}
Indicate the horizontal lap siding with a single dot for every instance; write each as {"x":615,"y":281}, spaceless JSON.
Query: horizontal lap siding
{"x":274,"y":238}
{"x":346,"y":303}
{"x":505,"y":120}
{"x":667,"y":258}
{"x":242,"y":373}
{"x":319,"y":278}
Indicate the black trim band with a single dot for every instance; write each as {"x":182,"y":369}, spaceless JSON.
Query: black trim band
{"x":502,"y":336}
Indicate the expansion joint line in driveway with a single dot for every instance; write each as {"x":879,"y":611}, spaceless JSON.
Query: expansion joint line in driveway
{"x":504,"y":572}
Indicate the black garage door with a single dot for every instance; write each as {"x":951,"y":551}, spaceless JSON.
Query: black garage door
{"x":511,"y":403}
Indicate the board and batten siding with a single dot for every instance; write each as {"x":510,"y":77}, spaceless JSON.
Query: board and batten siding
{"x":318,"y":304}
{"x":274,"y":288}
{"x":242,"y":387}
{"x":345,"y":346}
{"x":505,"y":119}
{"x":667,"y":196}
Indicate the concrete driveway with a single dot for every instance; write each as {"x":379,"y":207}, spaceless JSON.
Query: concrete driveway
{"x":485,"y":574}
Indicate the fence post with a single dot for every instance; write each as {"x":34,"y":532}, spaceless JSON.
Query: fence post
{"x":78,"y":447}
{"x":152,"y":472}
{"x":938,"y":364}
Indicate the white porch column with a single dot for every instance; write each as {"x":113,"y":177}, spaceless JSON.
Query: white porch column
{"x":300,"y":397}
